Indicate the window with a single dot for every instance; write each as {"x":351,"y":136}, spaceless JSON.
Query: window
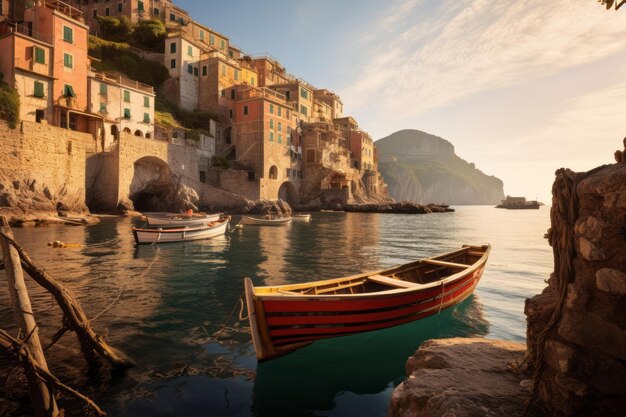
{"x":280,"y":110}
{"x":204,"y":71}
{"x":232,"y":94}
{"x":140,"y":6}
{"x":156,"y":11}
{"x":146,"y":101}
{"x":222,"y":44}
{"x":39,"y":55}
{"x":303,"y":110}
{"x":126,"y":113}
{"x":271,"y":123}
{"x":119,"y":7}
{"x":212,"y":39}
{"x":190,"y":68}
{"x":173,"y":48}
{"x":252,"y":81}
{"x":103,"y":108}
{"x":68,"y":91}
{"x":236,"y":74}
{"x":195,"y":71}
{"x":245,"y":109}
{"x":230,"y":113}
{"x":280,"y":126}
{"x":146,"y":117}
{"x":280,"y":138}
{"x":189,"y":51}
{"x":271,"y":136}
{"x":104,"y":89}
{"x":172,"y":17}
{"x":224,"y":93}
{"x":224,"y":70}
{"x":95,"y":13}
{"x":68,"y":61}
{"x":107,"y":12}
{"x":38,"y":89}
{"x":202,"y":35}
{"x":68,"y":34}
{"x":126,"y":96}
{"x":287,"y":94}
{"x":303,"y":93}
{"x":173,"y":63}
{"x":271,"y":108}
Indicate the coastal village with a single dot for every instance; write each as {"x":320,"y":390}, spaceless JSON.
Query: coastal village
{"x":259,"y":132}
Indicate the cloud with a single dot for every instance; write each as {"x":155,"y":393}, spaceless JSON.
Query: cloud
{"x":463,"y":48}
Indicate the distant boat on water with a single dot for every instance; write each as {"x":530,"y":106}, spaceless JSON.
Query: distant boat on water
{"x":514,"y":203}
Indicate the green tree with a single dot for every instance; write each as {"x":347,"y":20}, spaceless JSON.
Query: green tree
{"x":114,"y":29}
{"x":9,"y":103}
{"x":150,"y":34}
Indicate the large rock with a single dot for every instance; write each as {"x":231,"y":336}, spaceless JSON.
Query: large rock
{"x":461,"y":377}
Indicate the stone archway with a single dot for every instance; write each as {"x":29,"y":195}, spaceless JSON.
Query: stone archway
{"x":139,"y":133}
{"x":289,"y":193}
{"x":152,"y":187}
{"x":273,"y":174}
{"x":127,"y":130}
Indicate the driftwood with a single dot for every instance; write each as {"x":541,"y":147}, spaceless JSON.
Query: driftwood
{"x":20,"y":352}
{"x":74,"y":318}
{"x":41,"y":394}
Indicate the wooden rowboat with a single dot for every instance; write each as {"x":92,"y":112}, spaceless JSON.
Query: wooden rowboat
{"x":301,"y":217}
{"x":258,"y":221}
{"x":286,"y":317}
{"x":180,"y":220}
{"x":180,"y":234}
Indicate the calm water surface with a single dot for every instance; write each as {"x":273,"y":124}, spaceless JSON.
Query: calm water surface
{"x":162,"y":305}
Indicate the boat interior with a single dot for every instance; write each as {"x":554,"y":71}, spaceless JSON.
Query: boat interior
{"x":405,"y":276}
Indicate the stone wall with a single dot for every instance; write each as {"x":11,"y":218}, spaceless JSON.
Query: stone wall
{"x":42,"y":169}
{"x":581,"y":368}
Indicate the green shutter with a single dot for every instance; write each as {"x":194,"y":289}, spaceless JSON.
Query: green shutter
{"x":68,"y":61}
{"x":127,"y":96}
{"x":103,"y":89}
{"x":140,"y":6}
{"x":40,"y":55}
{"x":271,"y":136}
{"x":271,"y":123}
{"x":189,"y":51}
{"x":173,"y":48}
{"x":190,"y":68}
{"x":236,"y":74}
{"x":280,"y":138}
{"x":126,"y":113}
{"x":38,"y":89}
{"x":68,"y":34}
{"x":68,"y":91}
{"x":146,"y":117}
{"x":103,"y":108}
{"x":212,"y":40}
{"x":146,"y":101}
{"x":204,"y":71}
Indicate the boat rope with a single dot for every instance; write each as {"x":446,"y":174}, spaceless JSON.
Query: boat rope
{"x":241,"y":303}
{"x":158,"y":237}
{"x":563,"y":216}
{"x":442,"y":293}
{"x":238,"y":226}
{"x":240,"y":299}
{"x":123,"y":287}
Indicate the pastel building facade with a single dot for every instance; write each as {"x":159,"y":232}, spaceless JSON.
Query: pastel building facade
{"x":125,"y":105}
{"x":182,"y":58}
{"x":134,"y":10}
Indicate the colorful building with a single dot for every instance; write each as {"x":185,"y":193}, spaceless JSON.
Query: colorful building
{"x":182,"y":58}
{"x":300,"y":93}
{"x":332,"y":100}
{"x":134,"y":10}
{"x":263,"y":140}
{"x":124,"y":104}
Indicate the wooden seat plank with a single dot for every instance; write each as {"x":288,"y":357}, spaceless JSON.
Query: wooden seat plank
{"x":444,"y":263}
{"x":381,"y":279}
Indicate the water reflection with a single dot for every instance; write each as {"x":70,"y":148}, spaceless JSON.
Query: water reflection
{"x":312,"y":378}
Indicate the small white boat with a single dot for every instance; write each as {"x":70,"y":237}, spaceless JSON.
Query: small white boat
{"x":180,"y":234}
{"x":259,"y":221}
{"x":180,"y":220}
{"x":301,"y":217}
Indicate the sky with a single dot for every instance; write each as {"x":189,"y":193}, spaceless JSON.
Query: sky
{"x":520,"y":88}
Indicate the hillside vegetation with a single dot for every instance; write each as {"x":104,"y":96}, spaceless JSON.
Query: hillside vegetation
{"x":423,"y":168}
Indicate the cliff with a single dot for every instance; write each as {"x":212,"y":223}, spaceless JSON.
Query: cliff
{"x":423,"y":168}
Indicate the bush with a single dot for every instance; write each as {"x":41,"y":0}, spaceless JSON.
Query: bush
{"x":150,"y":34}
{"x":9,"y":103}
{"x":114,"y":29}
{"x":118,"y":57}
{"x":188,"y":119}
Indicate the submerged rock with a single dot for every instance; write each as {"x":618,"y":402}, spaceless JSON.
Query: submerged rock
{"x":461,"y":377}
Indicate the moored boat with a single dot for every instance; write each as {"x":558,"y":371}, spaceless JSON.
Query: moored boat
{"x":286,"y":317}
{"x":301,"y":217}
{"x":180,"y":234}
{"x":259,"y":221}
{"x":516,"y":203}
{"x":179,"y":220}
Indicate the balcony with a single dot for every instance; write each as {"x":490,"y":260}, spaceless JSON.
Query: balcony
{"x":261,"y":92}
{"x":11,"y":27}
{"x":32,"y":65}
{"x":124,"y":81}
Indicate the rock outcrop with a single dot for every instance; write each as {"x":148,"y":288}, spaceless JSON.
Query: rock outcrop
{"x":461,"y":377}
{"x":581,"y":368}
{"x":423,"y":168}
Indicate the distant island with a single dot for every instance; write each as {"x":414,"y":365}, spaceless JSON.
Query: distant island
{"x":423,"y":168}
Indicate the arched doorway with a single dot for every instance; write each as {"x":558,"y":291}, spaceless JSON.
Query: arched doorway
{"x":152,"y":187}
{"x":273,"y":172}
{"x":127,"y":130}
{"x":289,"y":193}
{"x":139,"y":133}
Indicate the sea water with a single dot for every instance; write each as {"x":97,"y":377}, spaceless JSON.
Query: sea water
{"x":174,"y":308}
